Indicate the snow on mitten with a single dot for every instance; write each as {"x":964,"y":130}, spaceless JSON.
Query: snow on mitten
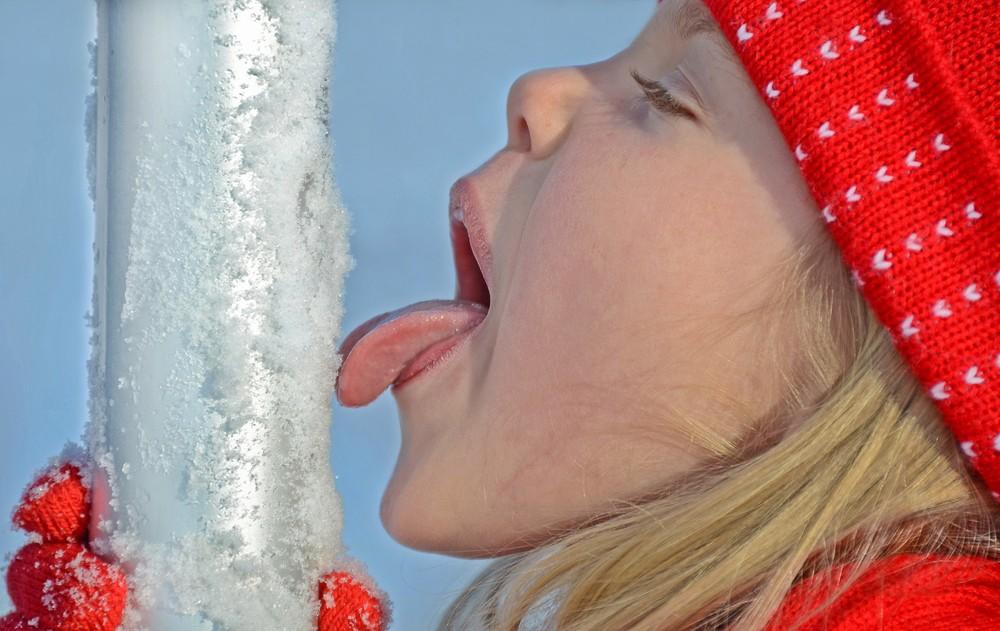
{"x":55,"y":506}
{"x":347,"y":605}
{"x":67,"y":587}
{"x":17,"y":622}
{"x":57,"y":583}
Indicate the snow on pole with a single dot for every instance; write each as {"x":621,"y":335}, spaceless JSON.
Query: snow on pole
{"x":220,"y":256}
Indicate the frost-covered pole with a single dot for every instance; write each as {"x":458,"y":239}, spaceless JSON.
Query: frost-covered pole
{"x":220,"y":256}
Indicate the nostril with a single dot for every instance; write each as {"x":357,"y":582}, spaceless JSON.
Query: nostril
{"x":521,"y":140}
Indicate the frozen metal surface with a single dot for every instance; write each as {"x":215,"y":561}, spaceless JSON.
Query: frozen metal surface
{"x":220,"y":258}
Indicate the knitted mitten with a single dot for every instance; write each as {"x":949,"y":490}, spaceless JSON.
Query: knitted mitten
{"x":56,"y":582}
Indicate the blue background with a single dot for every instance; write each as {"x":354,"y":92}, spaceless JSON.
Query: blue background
{"x":418,"y":99}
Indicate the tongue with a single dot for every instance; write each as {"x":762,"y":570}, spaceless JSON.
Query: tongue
{"x":378,"y":351}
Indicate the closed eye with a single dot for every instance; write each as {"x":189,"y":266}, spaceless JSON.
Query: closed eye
{"x":659,"y":97}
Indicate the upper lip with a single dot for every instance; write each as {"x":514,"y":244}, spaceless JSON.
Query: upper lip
{"x":464,"y":208}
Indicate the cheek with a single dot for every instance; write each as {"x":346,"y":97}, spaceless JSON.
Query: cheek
{"x":621,"y":251}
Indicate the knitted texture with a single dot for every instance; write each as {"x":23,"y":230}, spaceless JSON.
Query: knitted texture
{"x":348,"y":605}
{"x":891,"y":108}
{"x":55,"y":506}
{"x":67,"y":587}
{"x":57,"y":582}
{"x":17,"y":622}
{"x":905,"y":592}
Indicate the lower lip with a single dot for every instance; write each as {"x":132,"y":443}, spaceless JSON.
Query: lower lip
{"x":433,"y":356}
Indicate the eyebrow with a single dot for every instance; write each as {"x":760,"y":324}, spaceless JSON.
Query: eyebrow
{"x":690,"y":18}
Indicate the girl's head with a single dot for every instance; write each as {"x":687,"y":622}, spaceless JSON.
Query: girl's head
{"x":677,"y":383}
{"x":638,"y":242}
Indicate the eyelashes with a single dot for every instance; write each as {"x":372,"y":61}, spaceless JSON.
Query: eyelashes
{"x":659,"y":97}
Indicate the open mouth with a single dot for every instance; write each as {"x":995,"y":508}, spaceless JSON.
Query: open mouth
{"x":394,"y":347}
{"x":471,"y":284}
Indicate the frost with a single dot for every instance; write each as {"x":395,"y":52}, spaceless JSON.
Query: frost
{"x":49,"y":602}
{"x":220,"y":259}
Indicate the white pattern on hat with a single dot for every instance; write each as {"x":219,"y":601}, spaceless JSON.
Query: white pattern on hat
{"x":879,"y":261}
{"x":938,"y":391}
{"x":972,"y":376}
{"x":884,"y":99}
{"x":940,"y":144}
{"x":972,"y":293}
{"x":941,"y":309}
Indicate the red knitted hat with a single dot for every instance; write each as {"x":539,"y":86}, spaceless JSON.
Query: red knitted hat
{"x":891,"y":107}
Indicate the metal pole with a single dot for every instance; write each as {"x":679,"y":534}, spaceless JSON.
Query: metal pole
{"x":220,"y":257}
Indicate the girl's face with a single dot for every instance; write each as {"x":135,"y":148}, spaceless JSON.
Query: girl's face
{"x":625,"y":241}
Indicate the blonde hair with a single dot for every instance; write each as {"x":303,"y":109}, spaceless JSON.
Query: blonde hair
{"x":853,"y":465}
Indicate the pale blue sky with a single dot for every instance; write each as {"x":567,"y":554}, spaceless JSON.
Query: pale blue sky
{"x":418,"y":99}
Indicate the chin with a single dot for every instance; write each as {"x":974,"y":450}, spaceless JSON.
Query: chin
{"x":415,"y":522}
{"x":414,"y":518}
{"x":412,"y":512}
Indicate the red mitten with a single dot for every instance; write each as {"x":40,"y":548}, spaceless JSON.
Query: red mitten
{"x":57,"y":583}
{"x":347,"y":605}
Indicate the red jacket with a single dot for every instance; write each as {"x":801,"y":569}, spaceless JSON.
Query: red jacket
{"x":905,"y":592}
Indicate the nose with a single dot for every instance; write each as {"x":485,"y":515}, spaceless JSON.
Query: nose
{"x":540,"y":107}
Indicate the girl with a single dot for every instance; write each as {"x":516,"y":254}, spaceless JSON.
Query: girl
{"x":724,"y":350}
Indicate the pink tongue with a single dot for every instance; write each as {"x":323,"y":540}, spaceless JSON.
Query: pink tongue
{"x":378,"y":351}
